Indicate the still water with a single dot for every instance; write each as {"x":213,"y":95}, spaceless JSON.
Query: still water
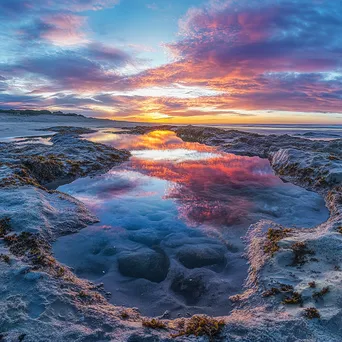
{"x":171,"y":222}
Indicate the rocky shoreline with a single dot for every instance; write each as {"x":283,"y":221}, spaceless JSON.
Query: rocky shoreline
{"x":43,"y":300}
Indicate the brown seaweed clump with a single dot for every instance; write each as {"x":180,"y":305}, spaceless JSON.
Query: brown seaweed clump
{"x":300,"y":251}
{"x":311,"y":313}
{"x":294,"y":298}
{"x":44,"y":168}
{"x":31,"y":246}
{"x":312,"y":284}
{"x":199,"y":325}
{"x":319,"y":294}
{"x":273,"y":237}
{"x":153,"y":323}
{"x":271,"y":292}
{"x":5,"y":226}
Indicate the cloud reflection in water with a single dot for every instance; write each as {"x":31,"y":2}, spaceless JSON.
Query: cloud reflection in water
{"x":148,"y":208}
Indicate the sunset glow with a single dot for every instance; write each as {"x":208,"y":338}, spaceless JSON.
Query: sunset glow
{"x":204,"y":62}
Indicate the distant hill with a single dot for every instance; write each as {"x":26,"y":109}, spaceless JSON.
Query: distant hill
{"x":31,"y":112}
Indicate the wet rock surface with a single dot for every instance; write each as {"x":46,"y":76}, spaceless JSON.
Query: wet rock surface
{"x":201,"y":255}
{"x":147,"y":263}
{"x":191,"y":287}
{"x":67,"y":158}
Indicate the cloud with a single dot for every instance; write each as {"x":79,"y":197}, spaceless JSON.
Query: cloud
{"x":108,"y":54}
{"x":58,"y":29}
{"x":259,"y":54}
{"x":16,"y":8}
{"x":74,"y":70}
{"x":246,"y":55}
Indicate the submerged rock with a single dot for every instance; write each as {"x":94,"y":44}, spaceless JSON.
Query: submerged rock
{"x":191,"y":287}
{"x":195,"y":256}
{"x":149,"y":264}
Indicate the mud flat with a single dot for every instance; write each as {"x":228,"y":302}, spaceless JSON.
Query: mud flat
{"x":293,"y":291}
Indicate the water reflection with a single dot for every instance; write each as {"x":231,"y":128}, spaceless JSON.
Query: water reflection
{"x":210,"y":187}
{"x":171,"y":220}
{"x":156,"y":140}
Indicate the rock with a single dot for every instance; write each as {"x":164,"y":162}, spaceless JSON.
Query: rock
{"x":191,"y":287}
{"x":51,"y":213}
{"x":201,"y":255}
{"x":316,"y":169}
{"x":33,"y":275}
{"x":145,"y":237}
{"x":149,"y":264}
{"x":165,"y":315}
{"x":69,"y":156}
{"x":136,"y":337}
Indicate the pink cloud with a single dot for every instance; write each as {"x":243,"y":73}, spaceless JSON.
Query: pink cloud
{"x":65,"y":29}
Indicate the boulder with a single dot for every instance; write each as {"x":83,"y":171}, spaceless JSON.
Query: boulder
{"x":192,"y":256}
{"x":146,"y":263}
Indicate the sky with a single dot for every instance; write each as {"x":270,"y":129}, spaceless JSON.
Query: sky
{"x":179,"y":61}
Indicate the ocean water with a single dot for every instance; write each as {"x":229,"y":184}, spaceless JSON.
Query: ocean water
{"x":171,"y":222}
{"x":319,"y":132}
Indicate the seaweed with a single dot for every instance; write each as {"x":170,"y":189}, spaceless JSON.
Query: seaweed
{"x":273,"y":237}
{"x":5,"y":258}
{"x":153,"y":323}
{"x":5,"y":226}
{"x":274,"y":290}
{"x":32,"y":246}
{"x":332,"y":157}
{"x":124,"y":314}
{"x":311,"y":313}
{"x":295,"y":298}
{"x":319,"y":294}
{"x":271,"y":292}
{"x":300,"y":251}
{"x":199,"y":325}
{"x":312,"y":284}
{"x":286,"y":287}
